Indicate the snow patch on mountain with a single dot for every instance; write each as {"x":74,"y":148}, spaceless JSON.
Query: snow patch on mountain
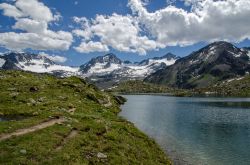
{"x":2,"y":62}
{"x":111,"y":65}
{"x":40,"y":66}
{"x":35,"y":63}
{"x":100,"y":68}
{"x":248,"y":54}
{"x":165,"y":61}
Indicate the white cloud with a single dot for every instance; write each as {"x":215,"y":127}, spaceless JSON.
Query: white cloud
{"x":208,"y":20}
{"x":119,"y":32}
{"x":33,"y":17}
{"x":55,"y":58}
{"x":91,"y":47}
{"x":35,"y":10}
{"x":32,"y":26}
{"x":10,"y":10}
{"x":21,"y":41}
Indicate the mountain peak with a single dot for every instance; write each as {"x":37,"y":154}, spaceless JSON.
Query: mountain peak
{"x":34,"y":63}
{"x":215,"y":62}
{"x":170,"y":56}
{"x":26,"y":57}
{"x":222,"y":44}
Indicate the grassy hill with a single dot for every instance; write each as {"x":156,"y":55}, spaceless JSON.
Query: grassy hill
{"x":138,"y":86}
{"x":239,"y":87}
{"x":45,"y":120}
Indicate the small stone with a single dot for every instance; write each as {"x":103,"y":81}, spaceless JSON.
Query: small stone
{"x":11,"y":89}
{"x":41,"y":99}
{"x":14,"y":94}
{"x":32,"y":101}
{"x":23,"y":151}
{"x":33,"y":89}
{"x":35,"y":113}
{"x":63,"y":98}
{"x":71,"y":111}
{"x":71,"y":106}
{"x":101,"y":155}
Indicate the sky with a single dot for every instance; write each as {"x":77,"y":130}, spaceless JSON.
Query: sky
{"x":72,"y":32}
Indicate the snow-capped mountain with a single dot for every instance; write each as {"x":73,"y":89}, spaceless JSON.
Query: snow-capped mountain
{"x":109,"y":64}
{"x":101,"y":65}
{"x":103,"y":69}
{"x":215,"y":62}
{"x":34,"y":63}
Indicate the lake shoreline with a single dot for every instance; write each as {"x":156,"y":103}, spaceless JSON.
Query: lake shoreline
{"x":67,"y":121}
{"x":188,"y":96}
{"x":176,"y":126}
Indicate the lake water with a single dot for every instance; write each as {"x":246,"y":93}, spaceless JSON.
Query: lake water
{"x":194,"y":130}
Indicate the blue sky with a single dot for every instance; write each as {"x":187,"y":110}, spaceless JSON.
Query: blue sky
{"x":146,"y":33}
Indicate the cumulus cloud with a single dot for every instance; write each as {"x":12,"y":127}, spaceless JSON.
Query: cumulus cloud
{"x":33,"y":17}
{"x":208,"y":20}
{"x":10,"y":10}
{"x":119,"y":32}
{"x":139,"y":32}
{"x":55,"y":58}
{"x":91,"y":47}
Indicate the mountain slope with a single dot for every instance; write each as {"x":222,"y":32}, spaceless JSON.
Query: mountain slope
{"x":237,"y":87}
{"x":108,"y":69}
{"x":34,"y":63}
{"x":215,"y":62}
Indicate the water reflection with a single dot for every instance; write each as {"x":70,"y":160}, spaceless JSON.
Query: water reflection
{"x":195,"y":130}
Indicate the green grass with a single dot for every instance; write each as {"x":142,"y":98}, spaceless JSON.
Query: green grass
{"x":99,"y":128}
{"x":238,"y":87}
{"x":138,"y":86}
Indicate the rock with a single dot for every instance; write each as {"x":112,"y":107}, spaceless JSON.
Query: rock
{"x":11,"y":89}
{"x":71,"y":106}
{"x":23,"y":151}
{"x":35,"y":113}
{"x":14,"y":94}
{"x":72,"y":110}
{"x":64,"y":98}
{"x":32,"y":101}
{"x":34,"y":89}
{"x":101,"y":155}
{"x":41,"y":99}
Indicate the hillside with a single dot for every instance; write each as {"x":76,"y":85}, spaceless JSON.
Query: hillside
{"x":239,"y":87}
{"x":216,"y":62}
{"x":46,"y":120}
{"x":140,"y":87}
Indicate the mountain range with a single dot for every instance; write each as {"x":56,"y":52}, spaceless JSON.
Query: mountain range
{"x":215,"y":62}
{"x":103,"y":70}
